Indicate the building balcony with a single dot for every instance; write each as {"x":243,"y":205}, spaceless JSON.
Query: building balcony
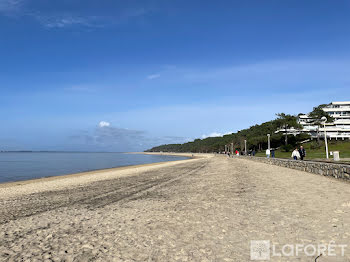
{"x":337,"y":109}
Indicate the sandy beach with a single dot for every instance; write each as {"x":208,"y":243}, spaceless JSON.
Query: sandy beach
{"x":201,"y":209}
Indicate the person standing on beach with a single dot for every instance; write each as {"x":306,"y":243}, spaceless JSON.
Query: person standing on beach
{"x":302,"y":152}
{"x":268,"y":152}
{"x":295,"y":154}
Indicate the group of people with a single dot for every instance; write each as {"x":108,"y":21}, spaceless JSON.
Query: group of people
{"x":299,"y":154}
{"x":251,"y":152}
{"x":238,"y":153}
{"x":270,"y":152}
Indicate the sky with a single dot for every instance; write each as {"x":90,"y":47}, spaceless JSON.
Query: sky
{"x":116,"y":75}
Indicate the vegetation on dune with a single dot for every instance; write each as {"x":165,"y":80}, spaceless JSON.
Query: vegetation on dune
{"x":317,"y":113}
{"x":256,"y":137}
{"x":286,"y":122}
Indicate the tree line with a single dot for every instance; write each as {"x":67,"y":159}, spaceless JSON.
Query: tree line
{"x":256,"y":137}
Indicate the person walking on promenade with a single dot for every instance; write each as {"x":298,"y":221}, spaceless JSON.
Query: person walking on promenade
{"x":295,"y":154}
{"x":268,"y":153}
{"x":272,"y":152}
{"x":302,"y":152}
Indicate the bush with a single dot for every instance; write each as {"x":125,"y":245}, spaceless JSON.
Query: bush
{"x":315,"y":145}
{"x":287,"y":148}
{"x":302,"y":137}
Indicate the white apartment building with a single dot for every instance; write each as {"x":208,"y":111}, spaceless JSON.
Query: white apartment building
{"x":338,"y":129}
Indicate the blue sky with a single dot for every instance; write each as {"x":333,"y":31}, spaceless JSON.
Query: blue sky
{"x":127,"y":75}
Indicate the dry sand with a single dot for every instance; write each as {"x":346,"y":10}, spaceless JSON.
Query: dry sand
{"x":205,"y":209}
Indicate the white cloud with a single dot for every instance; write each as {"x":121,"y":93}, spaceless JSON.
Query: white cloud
{"x":105,"y":136}
{"x":79,"y":88}
{"x":104,"y":124}
{"x":154,"y":76}
{"x":61,"y":21}
{"x":8,"y":6}
{"x":289,"y":74}
{"x":215,"y":134}
{"x":69,"y":18}
{"x":64,"y":21}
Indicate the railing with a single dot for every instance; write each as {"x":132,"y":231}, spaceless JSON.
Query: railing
{"x":336,"y":109}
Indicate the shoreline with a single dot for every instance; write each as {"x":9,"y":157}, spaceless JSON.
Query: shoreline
{"x":189,"y":155}
{"x":11,"y":189}
{"x":54,"y":177}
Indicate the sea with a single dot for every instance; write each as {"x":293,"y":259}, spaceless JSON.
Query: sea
{"x":17,"y":166}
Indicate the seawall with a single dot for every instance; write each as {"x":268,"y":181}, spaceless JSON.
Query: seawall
{"x":339,"y":171}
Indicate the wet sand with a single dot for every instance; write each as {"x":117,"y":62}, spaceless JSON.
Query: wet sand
{"x":204,"y":209}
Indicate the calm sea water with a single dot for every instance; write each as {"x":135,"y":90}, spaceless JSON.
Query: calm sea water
{"x":24,"y":166}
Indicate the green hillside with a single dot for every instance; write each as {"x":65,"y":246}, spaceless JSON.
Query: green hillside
{"x":256,"y":137}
